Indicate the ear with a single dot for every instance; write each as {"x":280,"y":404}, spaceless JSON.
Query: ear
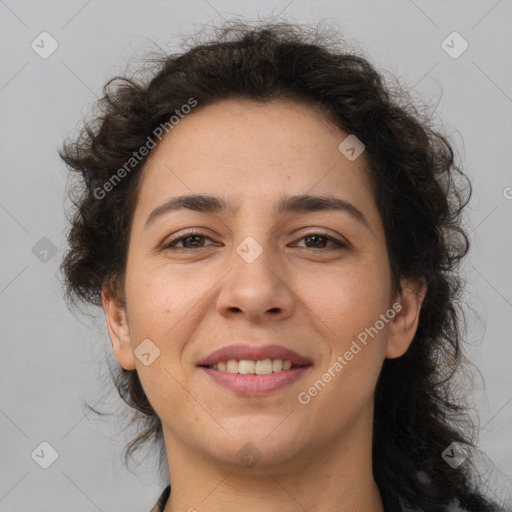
{"x":405,"y":323}
{"x":118,"y":329}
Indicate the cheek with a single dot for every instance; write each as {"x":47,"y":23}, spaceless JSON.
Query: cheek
{"x":160,"y":308}
{"x":345,"y":380}
{"x":160,"y":300}
{"x":350,"y":298}
{"x":351,"y":322}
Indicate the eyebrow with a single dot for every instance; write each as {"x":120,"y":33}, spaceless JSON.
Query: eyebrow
{"x":289,"y":204}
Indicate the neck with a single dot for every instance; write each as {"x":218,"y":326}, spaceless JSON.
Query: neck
{"x":337,"y":478}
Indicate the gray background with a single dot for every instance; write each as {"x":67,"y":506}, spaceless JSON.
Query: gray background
{"x":53,"y":360}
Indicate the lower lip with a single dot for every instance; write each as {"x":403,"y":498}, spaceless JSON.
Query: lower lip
{"x":256,"y":385}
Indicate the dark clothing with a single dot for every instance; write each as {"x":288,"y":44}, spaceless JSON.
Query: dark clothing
{"x":389,"y":504}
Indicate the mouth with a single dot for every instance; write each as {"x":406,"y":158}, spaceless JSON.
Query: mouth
{"x":249,"y":367}
{"x":250,"y":370}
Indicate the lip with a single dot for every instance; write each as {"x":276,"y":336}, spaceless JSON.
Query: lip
{"x":254,"y":353}
{"x":256,"y":385}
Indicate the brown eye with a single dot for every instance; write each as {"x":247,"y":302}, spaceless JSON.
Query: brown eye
{"x":195,"y":240}
{"x":192,"y":240}
{"x":320,"y":240}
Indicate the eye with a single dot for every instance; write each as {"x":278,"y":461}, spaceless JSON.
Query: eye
{"x":195,"y":240}
{"x":192,"y":240}
{"x":319,"y":240}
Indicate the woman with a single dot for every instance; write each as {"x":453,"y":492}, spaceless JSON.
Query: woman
{"x":274,"y":239}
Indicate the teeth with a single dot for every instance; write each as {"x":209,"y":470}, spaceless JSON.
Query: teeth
{"x":263,"y":367}
{"x":248,"y":367}
{"x":231,"y":366}
{"x":277,"y":365}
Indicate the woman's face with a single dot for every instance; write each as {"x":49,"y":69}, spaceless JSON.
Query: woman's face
{"x":304,"y":284}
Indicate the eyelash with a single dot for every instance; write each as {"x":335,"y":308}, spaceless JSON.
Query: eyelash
{"x":171,"y":245}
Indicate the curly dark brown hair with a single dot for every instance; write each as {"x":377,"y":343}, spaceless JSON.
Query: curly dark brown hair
{"x":419,"y":190}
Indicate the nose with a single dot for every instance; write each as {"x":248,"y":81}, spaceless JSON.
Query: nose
{"x":259,"y":289}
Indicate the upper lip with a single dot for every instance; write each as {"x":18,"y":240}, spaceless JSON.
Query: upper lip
{"x":254,"y":353}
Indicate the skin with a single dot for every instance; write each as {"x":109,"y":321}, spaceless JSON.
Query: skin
{"x":300,"y":294}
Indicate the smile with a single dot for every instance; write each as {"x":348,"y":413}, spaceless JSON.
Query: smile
{"x":254,"y":370}
{"x":248,"y":367}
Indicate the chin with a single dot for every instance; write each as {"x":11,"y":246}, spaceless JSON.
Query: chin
{"x":259,"y":445}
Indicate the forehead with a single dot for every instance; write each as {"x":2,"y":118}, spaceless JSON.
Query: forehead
{"x":254,"y":152}
{"x":240,"y":126}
